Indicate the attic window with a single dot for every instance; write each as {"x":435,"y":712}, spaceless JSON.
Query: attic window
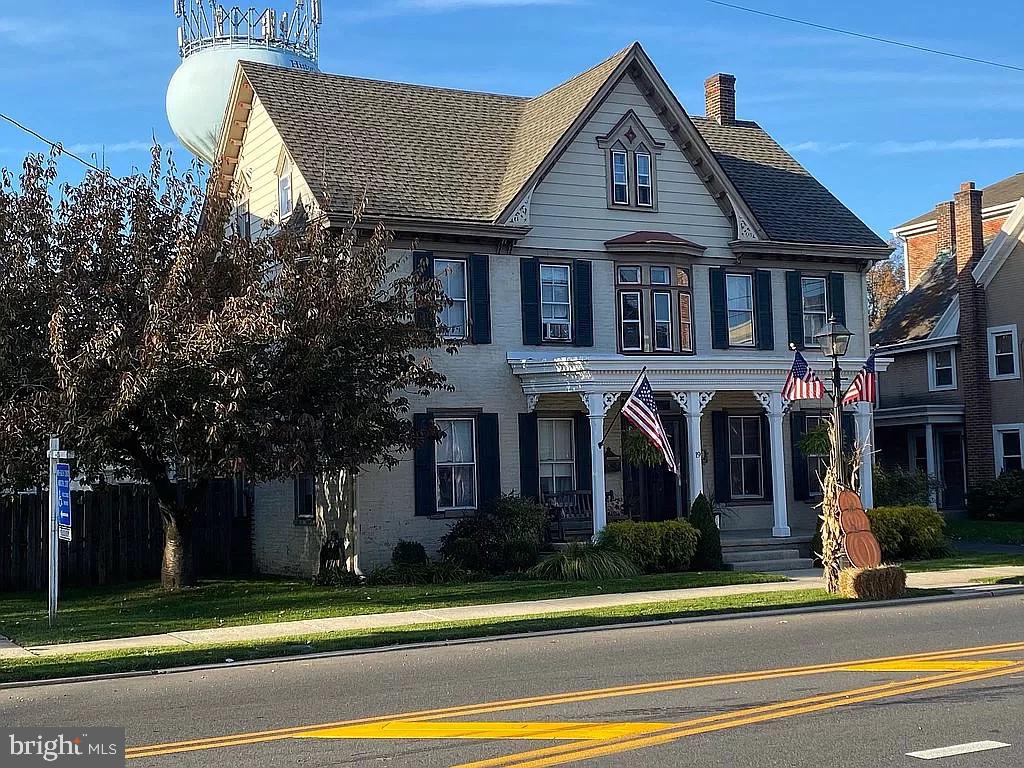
{"x":284,"y":190}
{"x":631,"y":159}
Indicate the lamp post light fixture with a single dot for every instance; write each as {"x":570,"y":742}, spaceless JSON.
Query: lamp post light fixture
{"x":834,"y":340}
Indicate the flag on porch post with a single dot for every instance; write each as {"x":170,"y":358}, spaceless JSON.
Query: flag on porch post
{"x":802,"y":383}
{"x":864,"y":386}
{"x":642,"y":411}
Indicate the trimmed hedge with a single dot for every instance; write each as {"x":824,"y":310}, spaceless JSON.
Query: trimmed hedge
{"x":663,"y":547}
{"x":503,"y":537}
{"x":999,"y":499}
{"x":909,"y":533}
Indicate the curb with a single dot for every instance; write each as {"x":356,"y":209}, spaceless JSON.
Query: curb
{"x":964,"y":593}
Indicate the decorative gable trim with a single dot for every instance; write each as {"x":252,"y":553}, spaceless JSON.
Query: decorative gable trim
{"x":744,"y":230}
{"x":621,"y":133}
{"x":520,"y":217}
{"x":1009,"y":237}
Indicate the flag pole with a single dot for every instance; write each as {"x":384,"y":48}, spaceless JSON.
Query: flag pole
{"x":632,"y":389}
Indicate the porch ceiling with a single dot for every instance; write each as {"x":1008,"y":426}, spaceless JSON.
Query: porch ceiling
{"x":911,"y":415}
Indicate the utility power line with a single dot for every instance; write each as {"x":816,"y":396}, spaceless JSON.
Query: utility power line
{"x":54,"y":145}
{"x":873,"y":38}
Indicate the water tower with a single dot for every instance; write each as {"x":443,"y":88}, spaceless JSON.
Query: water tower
{"x":212,"y":39}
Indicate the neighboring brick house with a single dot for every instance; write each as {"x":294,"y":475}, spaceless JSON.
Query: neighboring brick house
{"x":952,"y":403}
{"x":582,"y":235}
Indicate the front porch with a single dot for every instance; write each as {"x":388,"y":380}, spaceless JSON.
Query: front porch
{"x":735,"y":443}
{"x":928,"y":438}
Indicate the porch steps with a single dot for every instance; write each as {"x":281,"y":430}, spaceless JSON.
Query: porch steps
{"x":754,"y":551}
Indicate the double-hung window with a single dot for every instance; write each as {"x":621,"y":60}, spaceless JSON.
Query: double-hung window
{"x":284,"y":191}
{"x":557,"y":453}
{"x":556,"y":302}
{"x":305,"y":499}
{"x":746,"y":464}
{"x":454,"y":318}
{"x":240,"y":219}
{"x":661,"y":306}
{"x":644,"y":180}
{"x":1003,"y":357}
{"x":740,"y":300}
{"x":1007,"y":438}
{"x":941,"y":369}
{"x":815,"y":307}
{"x":620,"y":177}
{"x":456,"y":464}
{"x":631,"y":321}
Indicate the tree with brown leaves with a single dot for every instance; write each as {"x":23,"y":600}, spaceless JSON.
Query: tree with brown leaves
{"x":165,"y":348}
{"x":886,"y":286}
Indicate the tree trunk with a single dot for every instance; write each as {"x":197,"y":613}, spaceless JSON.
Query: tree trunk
{"x":178,"y":568}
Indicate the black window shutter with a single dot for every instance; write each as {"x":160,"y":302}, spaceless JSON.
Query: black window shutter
{"x":849,"y":431}
{"x":488,"y":458}
{"x":425,"y":482}
{"x":719,"y":310}
{"x":584,"y":460}
{"x":766,"y":458}
{"x":583,"y":304}
{"x":529,"y":463}
{"x":529,"y":279}
{"x":798,"y":428}
{"x":795,"y":309}
{"x":837,"y":295}
{"x":480,"y":293}
{"x":720,"y":448}
{"x":765,"y":318}
{"x":423,"y":269}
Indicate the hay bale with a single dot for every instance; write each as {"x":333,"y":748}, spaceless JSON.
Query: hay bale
{"x":882,"y":583}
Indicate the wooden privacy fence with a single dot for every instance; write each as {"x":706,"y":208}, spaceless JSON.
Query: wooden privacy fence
{"x":118,"y":536}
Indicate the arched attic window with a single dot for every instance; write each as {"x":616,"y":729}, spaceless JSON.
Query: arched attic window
{"x":631,"y":162}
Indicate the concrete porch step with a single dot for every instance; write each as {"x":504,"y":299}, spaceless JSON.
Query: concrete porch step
{"x":749,"y":554}
{"x":795,"y":564}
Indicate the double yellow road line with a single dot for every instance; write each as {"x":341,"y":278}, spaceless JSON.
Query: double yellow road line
{"x":673,"y":732}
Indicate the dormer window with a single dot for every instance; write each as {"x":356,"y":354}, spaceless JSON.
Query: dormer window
{"x":631,"y":153}
{"x":285,"y":203}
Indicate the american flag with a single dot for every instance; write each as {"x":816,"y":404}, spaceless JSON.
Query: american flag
{"x":864,"y":386}
{"x":642,"y":411}
{"x":802,"y":383}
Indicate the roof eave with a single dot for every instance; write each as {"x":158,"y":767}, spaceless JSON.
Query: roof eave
{"x":427,"y":226}
{"x":810,"y":250}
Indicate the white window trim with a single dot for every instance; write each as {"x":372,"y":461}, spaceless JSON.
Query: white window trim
{"x":932,"y":385}
{"x":655,"y":322}
{"x":999,"y":330}
{"x":285,"y":172}
{"x":572,"y":438}
{"x":803,"y":310}
{"x":753,"y":311}
{"x":638,"y":322}
{"x":650,"y":175}
{"x":543,"y":323}
{"x":465,"y":301}
{"x":759,"y":456}
{"x":625,"y":166}
{"x":997,"y":442}
{"x":474,"y":464}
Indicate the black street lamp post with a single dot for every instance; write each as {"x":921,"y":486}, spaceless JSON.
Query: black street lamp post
{"x":834,"y":340}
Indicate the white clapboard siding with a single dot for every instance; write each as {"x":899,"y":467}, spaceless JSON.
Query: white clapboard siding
{"x":570,"y":211}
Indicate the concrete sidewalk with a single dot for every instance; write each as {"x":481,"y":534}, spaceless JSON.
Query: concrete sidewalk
{"x":807,"y":579}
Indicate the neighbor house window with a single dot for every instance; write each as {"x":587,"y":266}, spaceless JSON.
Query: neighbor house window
{"x":557,"y":453}
{"x":815,"y":310}
{"x":556,"y":302}
{"x":305,"y":499}
{"x":454,"y":319}
{"x":631,"y":323}
{"x":284,"y":191}
{"x":240,"y":219}
{"x":644,"y":180}
{"x":740,"y":301}
{"x":662,"y":310}
{"x":1007,"y":438}
{"x":941,"y":369}
{"x":1003,"y":359}
{"x":620,"y":177}
{"x":456,"y":464}
{"x":746,"y":464}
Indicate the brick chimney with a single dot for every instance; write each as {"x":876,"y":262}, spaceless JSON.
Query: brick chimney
{"x":720,"y":98}
{"x":974,"y":382}
{"x":922,"y":250}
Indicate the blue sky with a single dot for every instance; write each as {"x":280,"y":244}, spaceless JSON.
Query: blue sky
{"x":890,"y":131}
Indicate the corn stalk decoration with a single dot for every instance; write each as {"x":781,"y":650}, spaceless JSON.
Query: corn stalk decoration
{"x":837,"y":478}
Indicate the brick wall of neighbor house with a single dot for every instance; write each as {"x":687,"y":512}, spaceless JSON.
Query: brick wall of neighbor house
{"x":921,"y":249}
{"x":906,"y":382}
{"x":1004,"y":301}
{"x":973,"y":335}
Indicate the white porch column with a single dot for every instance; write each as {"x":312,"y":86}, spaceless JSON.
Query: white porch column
{"x":693,"y":405}
{"x":929,"y":457}
{"x":862,"y":418}
{"x":597,"y":405}
{"x":775,"y":407}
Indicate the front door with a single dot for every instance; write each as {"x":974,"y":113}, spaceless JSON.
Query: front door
{"x":951,"y":469}
{"x":653,"y":493}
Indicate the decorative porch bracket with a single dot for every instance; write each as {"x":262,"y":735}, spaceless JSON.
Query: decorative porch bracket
{"x":693,"y":405}
{"x":597,"y":405}
{"x":776,"y":407}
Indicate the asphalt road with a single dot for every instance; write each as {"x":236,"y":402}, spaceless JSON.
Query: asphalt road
{"x":729,"y":693}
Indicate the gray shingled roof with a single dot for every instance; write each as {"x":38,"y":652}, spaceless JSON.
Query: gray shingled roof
{"x":917,"y":313}
{"x":1008,"y":190}
{"x":791,"y":205}
{"x":438,"y":153}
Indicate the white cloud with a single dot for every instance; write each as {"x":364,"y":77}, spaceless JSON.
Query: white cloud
{"x":115,"y":148}
{"x":822,"y":147}
{"x":922,"y":146}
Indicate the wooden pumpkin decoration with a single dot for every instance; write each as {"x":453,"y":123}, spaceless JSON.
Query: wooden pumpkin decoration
{"x":859,"y":543}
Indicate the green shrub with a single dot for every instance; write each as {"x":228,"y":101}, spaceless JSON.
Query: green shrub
{"x":419,"y":575}
{"x":909,"y":533}
{"x":409,"y":553}
{"x":654,"y":547}
{"x":583,"y":561}
{"x":337,"y":576}
{"x":886,"y":582}
{"x":708,"y":556}
{"x":504,"y":536}
{"x":898,"y":487}
{"x":999,"y":499}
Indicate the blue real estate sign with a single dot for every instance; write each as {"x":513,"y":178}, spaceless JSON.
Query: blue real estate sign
{"x":64,"y":501}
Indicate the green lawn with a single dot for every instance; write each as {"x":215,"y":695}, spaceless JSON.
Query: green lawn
{"x":122,"y":661}
{"x":143,"y":609}
{"x":987,"y":531}
{"x":963,"y":561}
